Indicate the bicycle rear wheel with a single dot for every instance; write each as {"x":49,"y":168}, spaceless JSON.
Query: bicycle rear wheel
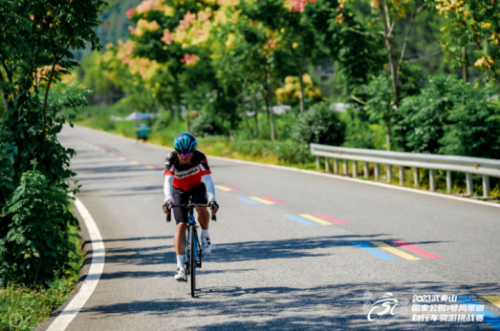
{"x":192,"y":260}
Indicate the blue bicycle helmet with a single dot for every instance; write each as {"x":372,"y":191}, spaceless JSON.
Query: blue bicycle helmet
{"x":185,"y":142}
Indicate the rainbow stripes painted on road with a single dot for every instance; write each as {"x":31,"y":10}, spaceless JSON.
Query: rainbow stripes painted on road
{"x":226,"y":188}
{"x":308,"y":219}
{"x":261,"y":200}
{"x":391,"y":250}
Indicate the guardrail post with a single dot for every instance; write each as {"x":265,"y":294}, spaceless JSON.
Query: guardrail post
{"x":415,"y":176}
{"x":327,"y":165}
{"x":366,"y":171}
{"x":336,"y":166}
{"x":401,"y":175}
{"x":317,"y":162}
{"x":486,"y":186}
{"x":468,"y":183}
{"x":354,"y":169}
{"x":377,"y":171}
{"x":432,"y":180}
{"x":389,"y":173}
{"x":346,"y":165}
{"x":448,"y":181}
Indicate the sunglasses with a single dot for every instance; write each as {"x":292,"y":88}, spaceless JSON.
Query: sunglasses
{"x":184,"y":154}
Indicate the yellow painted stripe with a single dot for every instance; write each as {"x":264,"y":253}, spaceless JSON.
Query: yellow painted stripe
{"x":315,"y":219}
{"x":262,"y":200}
{"x":494,"y":299}
{"x":149,"y":167}
{"x":134,"y":162}
{"x":122,"y":158}
{"x":395,"y":251}
{"x":222,"y":188}
{"x":111,"y":154}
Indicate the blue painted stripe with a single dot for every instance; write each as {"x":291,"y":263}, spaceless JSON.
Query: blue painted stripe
{"x":249,"y":201}
{"x":117,"y":159}
{"x":126,"y":162}
{"x":158,"y":171}
{"x":142,"y":167}
{"x":373,"y":251}
{"x":489,"y":317}
{"x":300,"y":220}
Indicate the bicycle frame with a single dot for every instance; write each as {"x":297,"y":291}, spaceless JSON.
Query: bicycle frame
{"x":191,"y":226}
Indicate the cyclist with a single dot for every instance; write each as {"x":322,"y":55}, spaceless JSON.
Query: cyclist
{"x":187,"y":175}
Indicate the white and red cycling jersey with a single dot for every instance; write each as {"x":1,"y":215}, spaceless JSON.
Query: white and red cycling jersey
{"x":186,"y":175}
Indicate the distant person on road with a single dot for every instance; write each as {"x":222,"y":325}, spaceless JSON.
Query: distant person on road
{"x":187,"y":175}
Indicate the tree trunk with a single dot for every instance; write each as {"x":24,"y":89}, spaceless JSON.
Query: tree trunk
{"x":301,"y":82}
{"x":270,"y":102}
{"x":464,"y":64}
{"x":388,"y":135}
{"x":254,"y":102}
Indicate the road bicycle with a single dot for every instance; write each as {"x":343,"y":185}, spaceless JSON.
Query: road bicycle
{"x":193,"y":252}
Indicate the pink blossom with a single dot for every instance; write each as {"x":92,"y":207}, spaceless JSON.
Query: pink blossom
{"x":130,"y":12}
{"x":186,"y":22}
{"x":189,"y":59}
{"x":299,"y":5}
{"x":167,"y":37}
{"x":131,"y":29}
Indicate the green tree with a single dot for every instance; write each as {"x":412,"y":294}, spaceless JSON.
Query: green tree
{"x":38,"y":38}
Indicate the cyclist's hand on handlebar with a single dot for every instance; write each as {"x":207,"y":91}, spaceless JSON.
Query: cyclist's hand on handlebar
{"x":214,"y":206}
{"x":167,"y":206}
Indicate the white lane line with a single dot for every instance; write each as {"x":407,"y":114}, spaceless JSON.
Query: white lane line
{"x":356,"y":180}
{"x":90,"y":283}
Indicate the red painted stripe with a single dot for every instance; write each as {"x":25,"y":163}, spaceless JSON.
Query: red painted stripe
{"x":331,"y":219}
{"x":232,"y":187}
{"x":416,"y":250}
{"x":273,"y":200}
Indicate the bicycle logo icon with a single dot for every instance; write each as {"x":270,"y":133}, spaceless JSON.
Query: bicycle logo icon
{"x":385,"y":308}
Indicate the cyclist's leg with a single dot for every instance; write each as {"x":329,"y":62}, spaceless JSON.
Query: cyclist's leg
{"x":199,"y":194}
{"x":181,"y":217}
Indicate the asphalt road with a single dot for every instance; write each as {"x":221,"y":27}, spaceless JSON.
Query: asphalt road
{"x":270,"y":270}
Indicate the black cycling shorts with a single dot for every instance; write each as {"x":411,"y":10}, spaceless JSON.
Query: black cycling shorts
{"x":198,"y":195}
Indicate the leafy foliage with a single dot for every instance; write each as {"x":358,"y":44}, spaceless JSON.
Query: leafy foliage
{"x":205,"y":125}
{"x":36,"y":40}
{"x":450,"y":117}
{"x":319,"y":125}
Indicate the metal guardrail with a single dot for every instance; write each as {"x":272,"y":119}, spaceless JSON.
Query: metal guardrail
{"x":450,"y":163}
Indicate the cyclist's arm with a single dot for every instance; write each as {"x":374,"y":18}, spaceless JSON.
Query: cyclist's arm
{"x":209,"y":184}
{"x":167,"y":187}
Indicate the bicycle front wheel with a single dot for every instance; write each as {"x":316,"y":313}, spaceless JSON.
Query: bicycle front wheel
{"x":192,"y":260}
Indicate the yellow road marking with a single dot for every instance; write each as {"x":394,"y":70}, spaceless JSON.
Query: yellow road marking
{"x":134,"y":162}
{"x":111,"y":154}
{"x":395,"y":251}
{"x":262,"y":200}
{"x":494,"y":299}
{"x":149,"y":167}
{"x":122,"y":158}
{"x":315,"y":219}
{"x":223,"y":188}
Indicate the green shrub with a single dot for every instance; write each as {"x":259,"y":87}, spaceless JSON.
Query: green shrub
{"x":288,"y":152}
{"x":319,"y":125}
{"x":450,"y":117}
{"x":205,"y":125}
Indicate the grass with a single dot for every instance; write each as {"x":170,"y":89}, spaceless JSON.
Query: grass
{"x":24,"y":307}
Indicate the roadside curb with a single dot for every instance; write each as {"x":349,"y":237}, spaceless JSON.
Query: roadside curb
{"x":332,"y":176}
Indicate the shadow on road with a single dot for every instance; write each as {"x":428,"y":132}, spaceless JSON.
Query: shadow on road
{"x":335,"y":307}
